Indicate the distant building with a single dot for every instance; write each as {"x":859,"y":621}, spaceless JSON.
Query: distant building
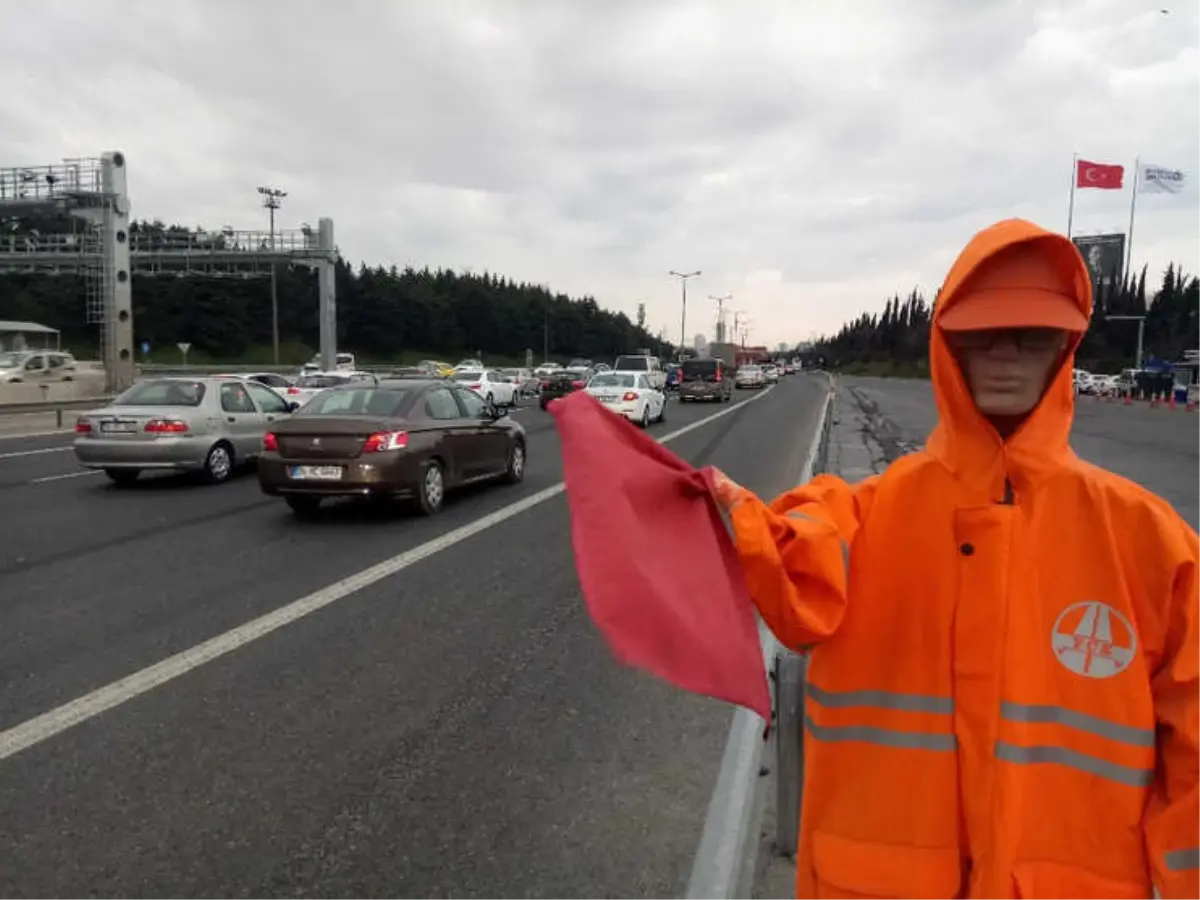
{"x":700,"y":342}
{"x":783,"y":346}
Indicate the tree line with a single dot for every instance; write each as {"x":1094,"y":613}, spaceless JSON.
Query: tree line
{"x":384,"y":314}
{"x":897,"y":339}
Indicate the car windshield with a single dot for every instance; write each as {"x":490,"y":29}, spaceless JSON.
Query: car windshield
{"x":633,"y":363}
{"x":321,"y":381}
{"x":625,"y":381}
{"x":467,"y":376}
{"x":162,"y":393}
{"x":751,"y":370}
{"x":380,"y":403}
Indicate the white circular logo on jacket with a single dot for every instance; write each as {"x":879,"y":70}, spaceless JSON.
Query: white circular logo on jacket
{"x":1093,"y":640}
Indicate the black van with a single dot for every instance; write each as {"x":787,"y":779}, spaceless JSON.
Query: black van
{"x":705,"y":379}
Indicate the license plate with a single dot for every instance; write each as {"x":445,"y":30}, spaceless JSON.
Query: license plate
{"x":608,"y":398}
{"x":325,"y":473}
{"x":118,"y":427}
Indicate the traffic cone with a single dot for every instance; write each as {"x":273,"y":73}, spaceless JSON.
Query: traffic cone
{"x":1171,"y":402}
{"x":1129,"y":398}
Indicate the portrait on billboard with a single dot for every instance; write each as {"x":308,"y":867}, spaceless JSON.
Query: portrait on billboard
{"x":1105,"y":258}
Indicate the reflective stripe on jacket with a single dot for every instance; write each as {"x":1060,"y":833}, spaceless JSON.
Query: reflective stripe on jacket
{"x":1002,"y":694}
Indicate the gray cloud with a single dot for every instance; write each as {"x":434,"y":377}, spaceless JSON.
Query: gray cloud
{"x":810,"y":157}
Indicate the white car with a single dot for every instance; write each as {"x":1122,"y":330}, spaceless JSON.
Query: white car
{"x":771,"y":374}
{"x":547,"y":368}
{"x":629,"y":394}
{"x":308,"y":386}
{"x":490,"y":385}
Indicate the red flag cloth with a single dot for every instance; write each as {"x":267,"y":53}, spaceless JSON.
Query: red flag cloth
{"x":1099,"y":175}
{"x":659,"y":571}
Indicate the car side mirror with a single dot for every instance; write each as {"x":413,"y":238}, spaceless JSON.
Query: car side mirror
{"x":491,"y":412}
{"x":293,"y":406}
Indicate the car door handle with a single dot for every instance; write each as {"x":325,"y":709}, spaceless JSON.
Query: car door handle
{"x":230,"y":419}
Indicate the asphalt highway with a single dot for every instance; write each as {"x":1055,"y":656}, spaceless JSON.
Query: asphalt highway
{"x":456,"y":729}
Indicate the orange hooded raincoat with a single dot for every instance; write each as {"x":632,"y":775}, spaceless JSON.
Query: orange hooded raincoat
{"x":1002,"y":695}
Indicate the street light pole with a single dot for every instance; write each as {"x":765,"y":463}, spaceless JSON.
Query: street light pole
{"x":683,"y":280}
{"x":272,"y":199}
{"x":720,"y":315}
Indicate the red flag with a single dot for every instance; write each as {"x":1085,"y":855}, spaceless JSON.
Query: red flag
{"x":659,"y":572}
{"x":1099,"y":175}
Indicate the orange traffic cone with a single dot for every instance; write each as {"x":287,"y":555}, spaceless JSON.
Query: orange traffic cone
{"x":1129,"y":398}
{"x":1154,"y":400}
{"x":1171,"y":402}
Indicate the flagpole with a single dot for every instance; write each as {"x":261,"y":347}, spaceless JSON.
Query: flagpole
{"x":1137,"y":170}
{"x":1071,"y":202}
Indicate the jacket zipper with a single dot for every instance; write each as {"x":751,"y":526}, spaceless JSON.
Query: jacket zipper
{"x":1008,"y":493}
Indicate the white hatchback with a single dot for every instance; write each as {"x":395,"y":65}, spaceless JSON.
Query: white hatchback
{"x":629,"y":394}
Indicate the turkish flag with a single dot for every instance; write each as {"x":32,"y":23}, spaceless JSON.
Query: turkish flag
{"x":659,"y":572}
{"x":1099,"y":175}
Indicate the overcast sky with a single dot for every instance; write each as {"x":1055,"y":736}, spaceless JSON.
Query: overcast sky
{"x":810,"y":157}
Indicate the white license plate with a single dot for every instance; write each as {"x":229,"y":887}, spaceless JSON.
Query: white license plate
{"x":323,"y":473}
{"x":118,"y":427}
{"x":608,"y":398}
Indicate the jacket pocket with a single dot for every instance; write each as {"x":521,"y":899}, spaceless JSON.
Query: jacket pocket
{"x":844,"y":867}
{"x":1052,"y":879}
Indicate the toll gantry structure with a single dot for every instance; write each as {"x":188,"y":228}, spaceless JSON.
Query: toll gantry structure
{"x":73,"y":217}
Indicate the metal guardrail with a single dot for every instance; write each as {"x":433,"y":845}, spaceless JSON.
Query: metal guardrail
{"x":725,"y":860}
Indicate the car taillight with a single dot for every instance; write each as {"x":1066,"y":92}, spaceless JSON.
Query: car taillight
{"x":293,"y":390}
{"x":165,"y":426}
{"x":83,"y":426}
{"x":385,"y":440}
{"x":630,"y":396}
{"x":578,"y":384}
{"x":473,"y":387}
{"x":270,"y":442}
{"x":717,"y":377}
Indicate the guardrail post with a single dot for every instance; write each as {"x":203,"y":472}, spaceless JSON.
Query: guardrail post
{"x":789,"y":748}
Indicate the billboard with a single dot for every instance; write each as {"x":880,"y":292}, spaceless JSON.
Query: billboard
{"x":1105,"y":258}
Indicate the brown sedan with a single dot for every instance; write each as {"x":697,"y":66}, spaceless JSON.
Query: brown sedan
{"x":411,"y":439}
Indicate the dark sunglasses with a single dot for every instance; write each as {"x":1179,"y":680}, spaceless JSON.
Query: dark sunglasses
{"x":1024,"y":339}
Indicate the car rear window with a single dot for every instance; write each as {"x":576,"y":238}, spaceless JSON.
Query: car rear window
{"x":321,"y":381}
{"x":467,"y":376}
{"x":633,"y":363}
{"x":163,"y":393}
{"x":699,"y":370}
{"x":625,"y":381}
{"x":359,"y":401}
{"x":751,"y":370}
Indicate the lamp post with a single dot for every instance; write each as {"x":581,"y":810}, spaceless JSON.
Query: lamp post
{"x":272,"y":199}
{"x":683,"y":280}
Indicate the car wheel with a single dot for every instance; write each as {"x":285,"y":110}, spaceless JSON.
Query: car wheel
{"x":662,"y":413}
{"x":431,"y":489}
{"x":123,"y":476}
{"x":645,"y":420}
{"x":218,"y":465}
{"x":303,"y":505}
{"x":515,"y":473}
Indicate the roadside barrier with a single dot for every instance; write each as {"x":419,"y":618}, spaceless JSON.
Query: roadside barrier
{"x":724,"y":866}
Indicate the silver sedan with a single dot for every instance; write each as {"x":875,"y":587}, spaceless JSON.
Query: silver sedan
{"x":205,"y":425}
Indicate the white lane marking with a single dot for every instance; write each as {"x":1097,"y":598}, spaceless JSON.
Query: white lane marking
{"x":48,"y":724}
{"x":36,"y":434}
{"x":46,"y":478}
{"x":15,"y":453}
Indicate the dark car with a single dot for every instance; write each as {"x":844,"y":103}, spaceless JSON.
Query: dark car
{"x":559,"y":384}
{"x":704,"y":379}
{"x":405,"y":439}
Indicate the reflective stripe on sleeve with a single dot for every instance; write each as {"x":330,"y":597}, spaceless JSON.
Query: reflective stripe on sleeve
{"x":1182,"y":860}
{"x":805,"y":517}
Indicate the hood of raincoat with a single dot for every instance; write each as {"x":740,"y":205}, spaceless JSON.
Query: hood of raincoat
{"x":963,"y":440}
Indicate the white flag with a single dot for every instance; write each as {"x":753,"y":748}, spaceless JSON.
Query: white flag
{"x":1160,"y":180}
